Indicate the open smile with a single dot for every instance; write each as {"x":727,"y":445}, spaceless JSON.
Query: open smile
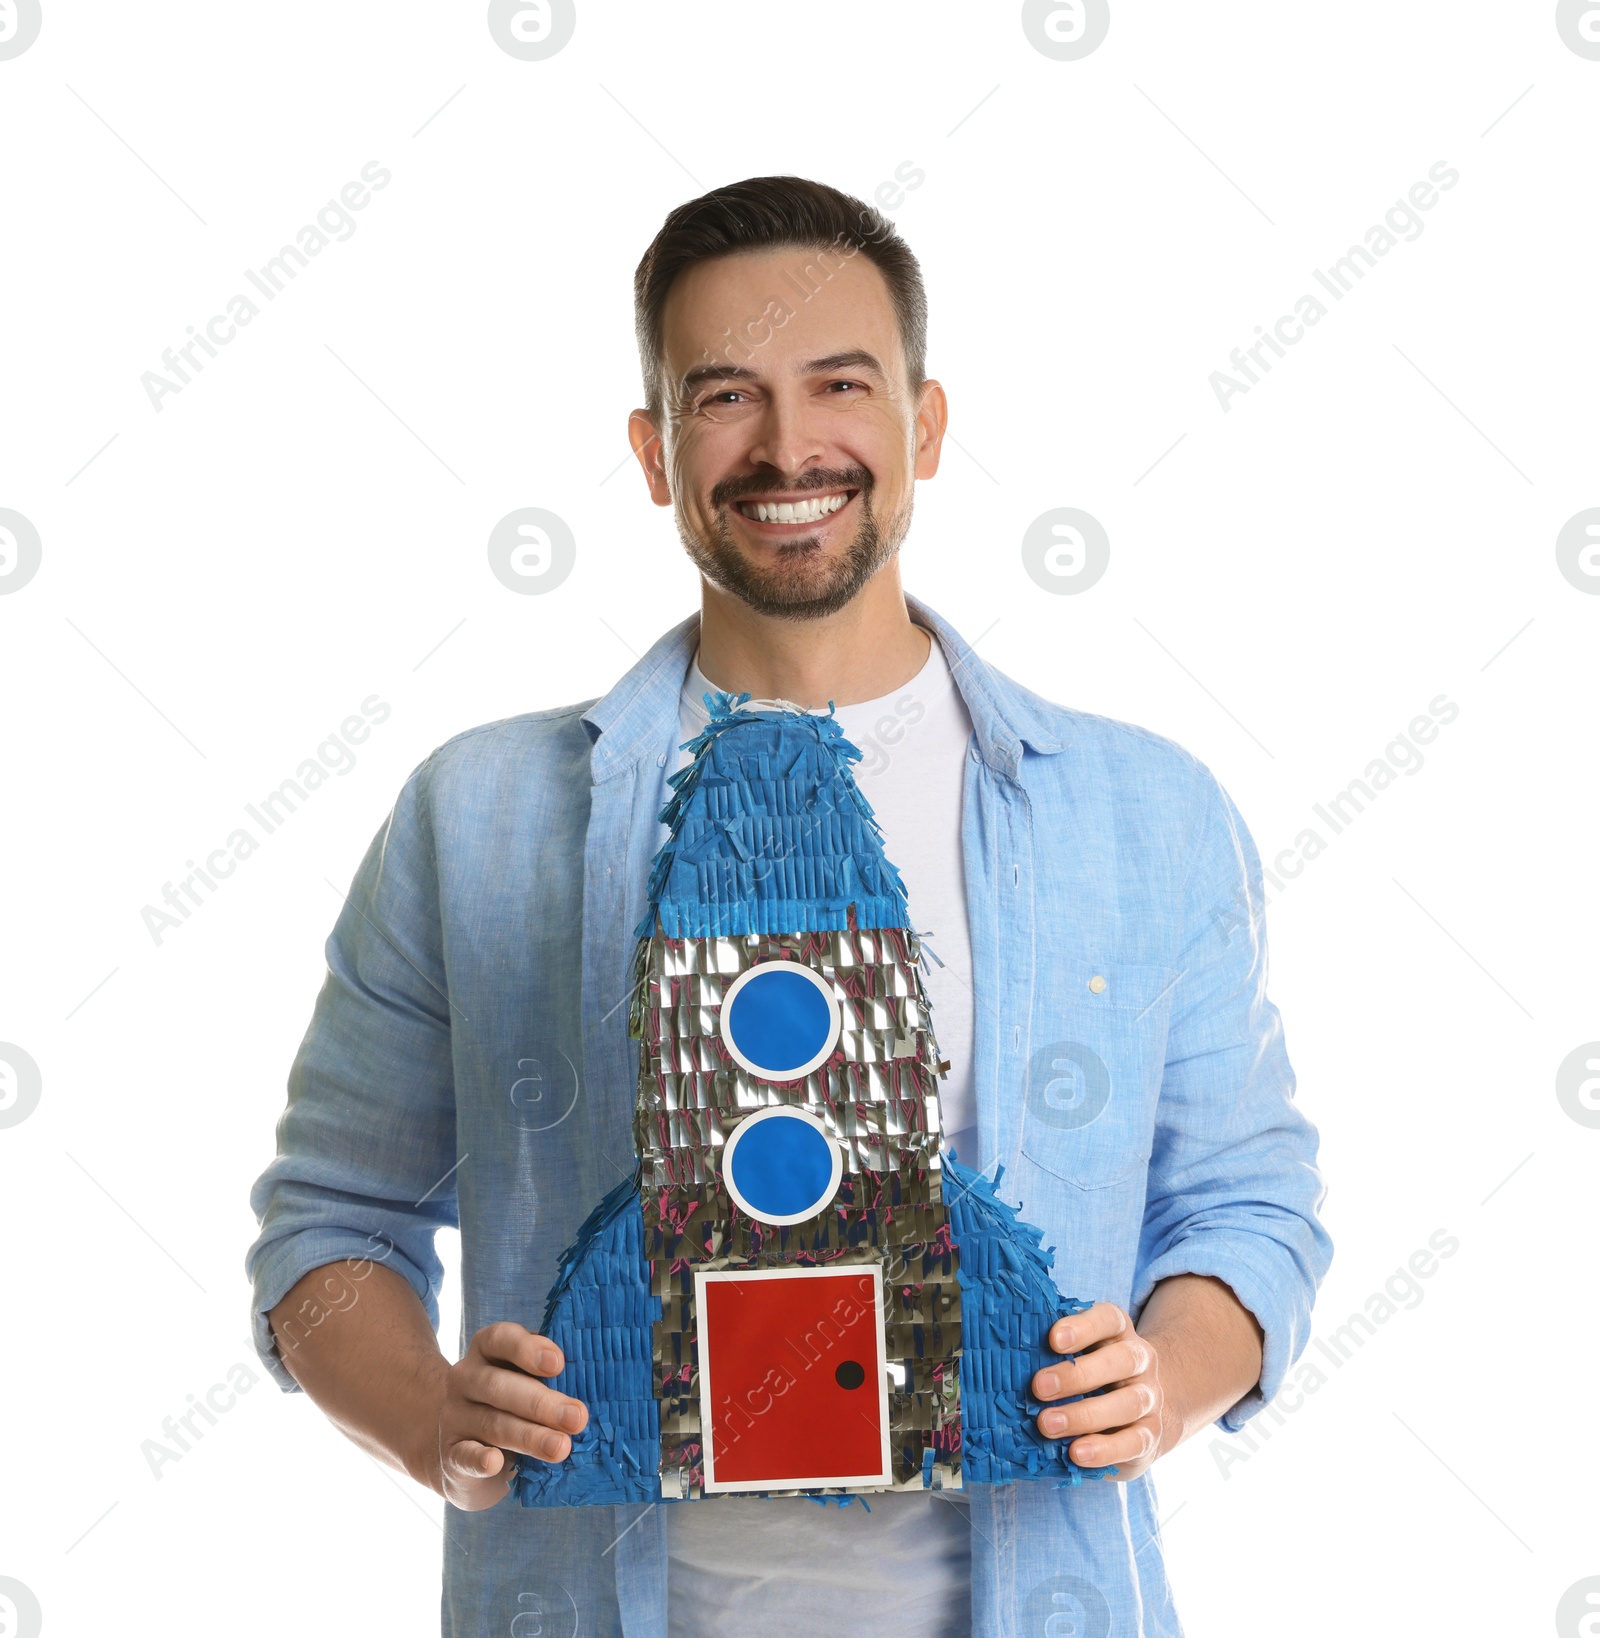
{"x":781,"y":515}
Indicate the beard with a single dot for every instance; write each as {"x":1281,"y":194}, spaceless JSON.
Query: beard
{"x":798,"y":579}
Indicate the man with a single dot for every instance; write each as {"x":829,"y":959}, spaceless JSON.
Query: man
{"x":1093,"y":900}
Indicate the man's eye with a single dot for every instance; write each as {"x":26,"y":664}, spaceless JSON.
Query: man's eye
{"x":833,"y":384}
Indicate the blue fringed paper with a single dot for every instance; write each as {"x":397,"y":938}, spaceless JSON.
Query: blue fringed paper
{"x":1008,"y":1304}
{"x":770,"y":833}
{"x":601,"y":1315}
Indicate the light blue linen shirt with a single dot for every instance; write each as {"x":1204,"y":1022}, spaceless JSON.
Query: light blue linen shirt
{"x":468,"y":1063}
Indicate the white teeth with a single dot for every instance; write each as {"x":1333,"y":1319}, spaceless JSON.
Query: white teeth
{"x":809,"y":511}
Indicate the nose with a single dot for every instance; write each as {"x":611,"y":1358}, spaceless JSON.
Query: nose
{"x":787,"y":435}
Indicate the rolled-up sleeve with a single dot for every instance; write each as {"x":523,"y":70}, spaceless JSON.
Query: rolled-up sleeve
{"x":1234,"y":1186}
{"x":366,"y":1145}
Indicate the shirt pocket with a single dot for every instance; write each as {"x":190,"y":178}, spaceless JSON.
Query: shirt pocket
{"x":1094,"y":1080}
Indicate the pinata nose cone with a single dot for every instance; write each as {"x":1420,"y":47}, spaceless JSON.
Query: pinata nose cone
{"x":769,"y":834}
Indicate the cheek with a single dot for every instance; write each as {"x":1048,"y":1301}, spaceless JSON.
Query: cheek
{"x":688,"y":491}
{"x":879,"y":439}
{"x":698,"y":461}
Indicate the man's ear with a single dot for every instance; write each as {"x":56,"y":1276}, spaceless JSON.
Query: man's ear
{"x":933,"y":412}
{"x":651,"y":451}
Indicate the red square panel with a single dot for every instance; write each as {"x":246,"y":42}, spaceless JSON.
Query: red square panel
{"x":793,"y":1391}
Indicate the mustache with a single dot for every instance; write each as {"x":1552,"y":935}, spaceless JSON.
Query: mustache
{"x":738,"y":489}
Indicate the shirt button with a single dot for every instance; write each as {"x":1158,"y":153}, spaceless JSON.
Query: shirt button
{"x":1097,"y":984}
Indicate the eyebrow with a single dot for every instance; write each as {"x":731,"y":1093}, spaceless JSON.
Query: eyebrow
{"x":854,"y":358}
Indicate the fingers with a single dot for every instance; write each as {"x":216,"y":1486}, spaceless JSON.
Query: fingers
{"x":1118,"y":1425}
{"x":1102,"y":1366}
{"x":496,"y":1388}
{"x":467,"y":1459}
{"x":495,"y":1405}
{"x":507,"y":1343}
{"x":1127,"y":1447}
{"x":1098,"y":1324}
{"x":1100,"y":1414}
{"x":483,"y":1425}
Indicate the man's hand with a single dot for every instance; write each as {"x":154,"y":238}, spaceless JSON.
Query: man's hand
{"x":1123,"y":1426}
{"x":355,"y":1336}
{"x":1196,"y":1354}
{"x":494,"y":1403}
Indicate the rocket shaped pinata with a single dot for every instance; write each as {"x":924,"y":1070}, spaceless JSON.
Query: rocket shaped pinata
{"x":795,"y":1293}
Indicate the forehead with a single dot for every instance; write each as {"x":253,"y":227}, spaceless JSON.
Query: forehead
{"x":779,"y":306}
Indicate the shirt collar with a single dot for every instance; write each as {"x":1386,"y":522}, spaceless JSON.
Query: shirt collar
{"x":1005,"y":716}
{"x":640,"y":714}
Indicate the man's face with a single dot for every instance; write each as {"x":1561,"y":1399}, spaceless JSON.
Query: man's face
{"x":790,"y":441}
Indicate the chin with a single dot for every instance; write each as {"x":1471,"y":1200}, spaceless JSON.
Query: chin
{"x":780,"y":597}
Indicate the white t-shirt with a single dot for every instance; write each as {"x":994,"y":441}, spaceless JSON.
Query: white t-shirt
{"x":738,"y":1565}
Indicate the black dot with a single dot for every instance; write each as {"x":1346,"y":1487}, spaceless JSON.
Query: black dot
{"x":849,"y":1375}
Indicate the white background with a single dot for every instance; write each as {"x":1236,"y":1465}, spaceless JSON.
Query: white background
{"x":305,"y":525}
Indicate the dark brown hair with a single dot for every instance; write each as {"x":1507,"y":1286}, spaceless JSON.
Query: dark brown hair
{"x":769,"y":213}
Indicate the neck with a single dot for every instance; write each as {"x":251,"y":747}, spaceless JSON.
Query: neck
{"x":866,"y":650}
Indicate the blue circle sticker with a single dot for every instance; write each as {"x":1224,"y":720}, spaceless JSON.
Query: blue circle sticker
{"x":780,"y":1020}
{"x":781,"y":1166}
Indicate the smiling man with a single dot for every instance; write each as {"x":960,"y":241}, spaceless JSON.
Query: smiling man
{"x":1091,"y":897}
